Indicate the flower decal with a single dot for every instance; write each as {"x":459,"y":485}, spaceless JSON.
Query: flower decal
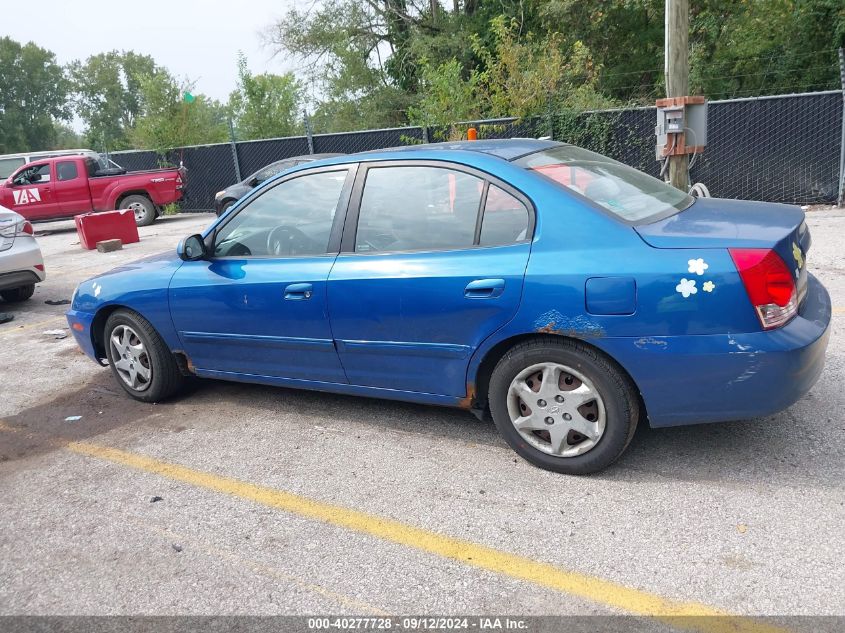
{"x":798,"y":255}
{"x":708,"y":286}
{"x":697,"y":266}
{"x":686,"y":287}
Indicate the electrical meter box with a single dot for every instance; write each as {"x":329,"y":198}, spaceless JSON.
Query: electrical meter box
{"x":681,"y":126}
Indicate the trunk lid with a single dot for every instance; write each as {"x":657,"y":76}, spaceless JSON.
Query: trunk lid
{"x":720,"y":223}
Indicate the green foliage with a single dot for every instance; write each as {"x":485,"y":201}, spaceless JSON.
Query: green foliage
{"x":67,"y":138}
{"x":446,"y":96}
{"x":171,"y":208}
{"x":33,"y":97}
{"x":265,"y":105}
{"x":108,"y":96}
{"x":169,"y":122}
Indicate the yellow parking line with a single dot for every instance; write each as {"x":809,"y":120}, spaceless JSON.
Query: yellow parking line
{"x":687,"y":615}
{"x":838,"y":310}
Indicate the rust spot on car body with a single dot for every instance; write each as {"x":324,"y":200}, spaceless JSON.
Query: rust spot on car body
{"x":467,"y":401}
{"x":553,"y":322}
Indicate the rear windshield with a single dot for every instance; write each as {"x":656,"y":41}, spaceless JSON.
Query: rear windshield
{"x":624,"y":191}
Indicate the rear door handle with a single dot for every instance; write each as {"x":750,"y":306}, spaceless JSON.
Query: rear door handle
{"x":484,"y":288}
{"x":298,"y":292}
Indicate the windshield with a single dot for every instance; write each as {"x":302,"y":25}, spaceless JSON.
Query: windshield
{"x":624,"y":191}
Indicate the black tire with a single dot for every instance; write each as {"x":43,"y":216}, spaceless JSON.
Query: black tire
{"x":166,"y":379}
{"x":619,"y":396}
{"x":225,"y":207}
{"x":13,"y":295}
{"x":142,"y":206}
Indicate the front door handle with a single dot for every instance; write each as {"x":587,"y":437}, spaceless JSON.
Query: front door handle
{"x":298,"y":292}
{"x":484,"y":288}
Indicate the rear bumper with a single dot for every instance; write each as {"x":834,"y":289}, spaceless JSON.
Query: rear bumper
{"x":18,"y":264}
{"x":716,"y":378}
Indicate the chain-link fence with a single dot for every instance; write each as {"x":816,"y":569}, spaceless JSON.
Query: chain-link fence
{"x":775,"y":149}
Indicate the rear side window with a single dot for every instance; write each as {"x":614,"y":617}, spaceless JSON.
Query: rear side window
{"x":624,"y":191}
{"x":505,"y":219}
{"x":66,"y":170}
{"x":412,"y":208}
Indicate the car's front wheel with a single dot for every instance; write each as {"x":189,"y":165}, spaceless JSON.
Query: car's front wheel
{"x":13,"y":295}
{"x":139,"y":359}
{"x":563,"y":406}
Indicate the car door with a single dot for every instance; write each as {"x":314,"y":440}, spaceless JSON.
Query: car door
{"x":71,"y":188}
{"x":32,"y":192}
{"x":425,"y":274}
{"x":257,"y":305}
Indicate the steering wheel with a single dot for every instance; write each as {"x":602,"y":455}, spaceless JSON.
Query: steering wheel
{"x":283,"y":239}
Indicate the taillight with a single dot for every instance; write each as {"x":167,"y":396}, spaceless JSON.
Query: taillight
{"x":27,"y":228}
{"x":769,"y":285}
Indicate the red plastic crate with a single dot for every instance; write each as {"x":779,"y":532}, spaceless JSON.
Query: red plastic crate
{"x":96,"y":227}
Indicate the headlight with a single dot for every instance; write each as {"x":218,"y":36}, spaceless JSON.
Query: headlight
{"x":219,"y":194}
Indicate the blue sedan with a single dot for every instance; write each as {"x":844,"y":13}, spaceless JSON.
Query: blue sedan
{"x":561,"y":293}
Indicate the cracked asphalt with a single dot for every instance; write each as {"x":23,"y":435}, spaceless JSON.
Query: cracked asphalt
{"x":275,"y":501}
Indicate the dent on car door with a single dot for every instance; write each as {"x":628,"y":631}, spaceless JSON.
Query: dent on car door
{"x":257,"y":306}
{"x":432,"y":263}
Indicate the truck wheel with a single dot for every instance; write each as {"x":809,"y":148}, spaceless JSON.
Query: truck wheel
{"x":142,"y":207}
{"x":563,"y":406}
{"x":14,"y":295}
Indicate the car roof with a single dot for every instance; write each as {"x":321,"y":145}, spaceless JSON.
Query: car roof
{"x":508,"y":149}
{"x":54,"y":153}
{"x":303,"y":157}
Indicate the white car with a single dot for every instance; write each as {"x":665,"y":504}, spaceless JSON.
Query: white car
{"x":21,"y":263}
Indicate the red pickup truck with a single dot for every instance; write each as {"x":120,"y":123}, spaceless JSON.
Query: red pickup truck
{"x":65,"y":186}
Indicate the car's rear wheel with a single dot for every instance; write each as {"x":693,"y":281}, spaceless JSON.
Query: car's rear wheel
{"x":142,"y":207}
{"x":13,"y":295}
{"x":139,"y":359}
{"x":563,"y":406}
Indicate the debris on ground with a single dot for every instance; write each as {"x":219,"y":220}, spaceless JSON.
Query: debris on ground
{"x":57,"y":334}
{"x":58,"y":302}
{"x":5,"y":317}
{"x":73,"y":418}
{"x":107,"y":246}
{"x":177,"y":547}
{"x":156,"y":498}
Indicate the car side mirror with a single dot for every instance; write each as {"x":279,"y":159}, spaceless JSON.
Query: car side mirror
{"x":192,"y":248}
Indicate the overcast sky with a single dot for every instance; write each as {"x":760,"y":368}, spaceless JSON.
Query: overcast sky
{"x":198,"y":39}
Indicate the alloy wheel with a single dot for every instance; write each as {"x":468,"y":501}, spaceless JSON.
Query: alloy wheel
{"x":556,"y":409}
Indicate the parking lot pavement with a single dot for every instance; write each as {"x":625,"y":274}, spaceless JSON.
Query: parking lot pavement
{"x":276,"y":501}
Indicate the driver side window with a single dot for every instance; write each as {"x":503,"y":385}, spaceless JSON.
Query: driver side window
{"x":31,"y":175}
{"x":293,"y":218}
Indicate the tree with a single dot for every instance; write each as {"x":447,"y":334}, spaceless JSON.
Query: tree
{"x":33,"y":96}
{"x":345,"y":43}
{"x":168,"y":120}
{"x":265,"y":105}
{"x":108,"y":95}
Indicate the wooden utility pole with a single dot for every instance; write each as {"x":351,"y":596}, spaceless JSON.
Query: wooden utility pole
{"x":676,"y":69}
